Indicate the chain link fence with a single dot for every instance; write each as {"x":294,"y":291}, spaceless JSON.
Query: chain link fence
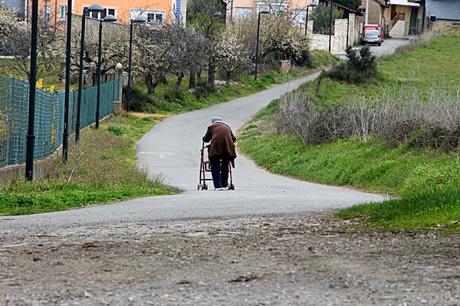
{"x":49,"y":117}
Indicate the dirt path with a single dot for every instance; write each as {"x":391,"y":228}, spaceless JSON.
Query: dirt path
{"x":274,"y":260}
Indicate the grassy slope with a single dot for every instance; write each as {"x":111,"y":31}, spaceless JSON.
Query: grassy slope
{"x":428,"y":181}
{"x":106,"y":172}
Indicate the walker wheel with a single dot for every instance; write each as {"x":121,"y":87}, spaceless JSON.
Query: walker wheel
{"x":231,"y":187}
{"x":205,"y":187}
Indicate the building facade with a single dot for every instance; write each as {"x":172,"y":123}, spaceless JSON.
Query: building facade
{"x":237,"y":9}
{"x":442,"y":13}
{"x":160,"y":11}
{"x":15,"y":5}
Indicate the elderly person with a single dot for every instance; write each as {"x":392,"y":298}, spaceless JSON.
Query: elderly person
{"x":221,"y":151}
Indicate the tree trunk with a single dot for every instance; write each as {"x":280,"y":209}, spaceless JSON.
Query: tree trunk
{"x":192,"y":79}
{"x":227,"y":77}
{"x":198,"y":75}
{"x":151,"y":84}
{"x":211,"y":72}
{"x":180,"y":76}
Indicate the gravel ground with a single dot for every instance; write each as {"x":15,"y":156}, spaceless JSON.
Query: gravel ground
{"x":265,"y":260}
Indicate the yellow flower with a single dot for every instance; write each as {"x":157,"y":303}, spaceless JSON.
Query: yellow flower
{"x":40,"y":83}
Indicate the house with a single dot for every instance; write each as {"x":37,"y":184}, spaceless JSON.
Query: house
{"x":14,"y":5}
{"x":401,"y":18}
{"x":237,"y":9}
{"x":441,"y":13}
{"x":161,"y":11}
{"x":376,"y":11}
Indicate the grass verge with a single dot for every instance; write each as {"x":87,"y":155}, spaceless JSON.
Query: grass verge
{"x":104,"y":171}
{"x":426,"y":180}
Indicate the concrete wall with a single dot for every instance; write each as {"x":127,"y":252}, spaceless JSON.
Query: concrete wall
{"x":9,"y":174}
{"x":440,"y":24}
{"x":399,"y":29}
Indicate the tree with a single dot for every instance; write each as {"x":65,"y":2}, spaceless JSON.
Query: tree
{"x":321,"y":18}
{"x":231,"y":51}
{"x":115,"y":44}
{"x":15,"y":40}
{"x":279,"y":40}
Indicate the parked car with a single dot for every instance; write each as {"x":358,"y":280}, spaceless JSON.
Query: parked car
{"x":372,"y":34}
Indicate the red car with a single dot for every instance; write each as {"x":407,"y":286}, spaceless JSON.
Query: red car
{"x":372,"y":34}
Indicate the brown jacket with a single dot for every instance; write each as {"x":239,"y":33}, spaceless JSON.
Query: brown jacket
{"x":222,"y":140}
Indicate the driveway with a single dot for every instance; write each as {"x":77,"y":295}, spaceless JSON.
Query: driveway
{"x":387,"y":48}
{"x":170,"y":151}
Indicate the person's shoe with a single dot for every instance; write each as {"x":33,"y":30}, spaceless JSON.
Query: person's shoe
{"x":219,"y":189}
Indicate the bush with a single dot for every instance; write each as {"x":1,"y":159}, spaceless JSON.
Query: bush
{"x":404,"y":117}
{"x":358,"y":69}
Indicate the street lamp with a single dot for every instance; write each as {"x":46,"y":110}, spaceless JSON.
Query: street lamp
{"x":138,"y":20}
{"x":65,"y":136}
{"x":108,"y":18}
{"x":80,"y":72}
{"x":86,"y":11}
{"x":256,"y":67}
{"x":30,"y":138}
{"x":313,"y":4}
{"x":331,"y":21}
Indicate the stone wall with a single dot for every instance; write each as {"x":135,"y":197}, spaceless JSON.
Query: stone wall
{"x":339,"y":39}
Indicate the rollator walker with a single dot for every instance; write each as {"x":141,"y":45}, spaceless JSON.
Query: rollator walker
{"x":205,"y":167}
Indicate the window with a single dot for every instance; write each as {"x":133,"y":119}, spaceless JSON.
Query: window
{"x":243,"y":12}
{"x":150,"y":15}
{"x":101,"y":15}
{"x":47,"y":13}
{"x":155,"y":17}
{"x":62,"y":12}
{"x":272,"y":8}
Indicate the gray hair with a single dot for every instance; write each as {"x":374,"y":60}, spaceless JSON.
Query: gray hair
{"x":216,"y":119}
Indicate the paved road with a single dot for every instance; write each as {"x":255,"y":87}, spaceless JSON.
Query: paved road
{"x":171,"y":151}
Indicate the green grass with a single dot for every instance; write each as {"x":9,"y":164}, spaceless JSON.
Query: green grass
{"x":434,"y":66}
{"x":426,"y":182}
{"x":105,"y":171}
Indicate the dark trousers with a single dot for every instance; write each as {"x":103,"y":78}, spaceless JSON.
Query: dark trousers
{"x":219,"y":170}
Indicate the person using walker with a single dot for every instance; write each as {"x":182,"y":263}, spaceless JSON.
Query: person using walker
{"x":221,"y":152}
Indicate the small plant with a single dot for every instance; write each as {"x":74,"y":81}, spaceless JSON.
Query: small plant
{"x":357,"y":69}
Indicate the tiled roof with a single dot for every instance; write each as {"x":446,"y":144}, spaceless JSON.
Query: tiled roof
{"x":443,"y":9}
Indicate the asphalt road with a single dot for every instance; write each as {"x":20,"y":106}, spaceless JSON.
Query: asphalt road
{"x":171,"y":151}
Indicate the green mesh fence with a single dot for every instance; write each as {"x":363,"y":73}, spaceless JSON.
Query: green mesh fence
{"x":49,"y":117}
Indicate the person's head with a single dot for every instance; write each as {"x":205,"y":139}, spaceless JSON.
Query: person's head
{"x":216,"y":120}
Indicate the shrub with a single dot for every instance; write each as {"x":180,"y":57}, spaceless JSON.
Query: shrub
{"x":404,"y":117}
{"x":357,"y":69}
